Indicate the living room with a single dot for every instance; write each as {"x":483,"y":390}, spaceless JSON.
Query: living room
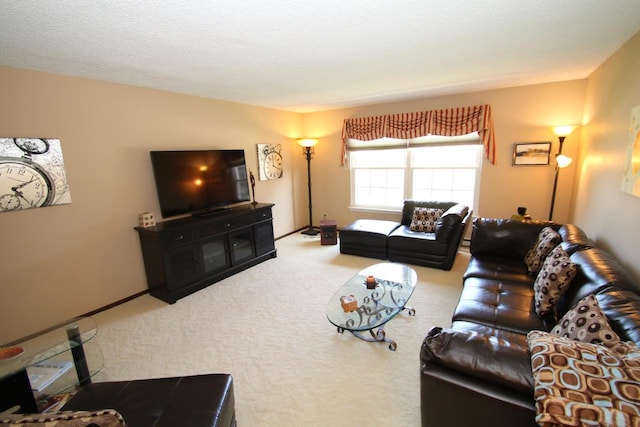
{"x":106,"y":128}
{"x":67,"y":260}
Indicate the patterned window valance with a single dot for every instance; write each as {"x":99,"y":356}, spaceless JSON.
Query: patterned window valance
{"x":448,"y":122}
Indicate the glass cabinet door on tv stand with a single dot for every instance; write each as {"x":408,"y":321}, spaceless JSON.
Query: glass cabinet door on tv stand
{"x":215,"y":255}
{"x":57,"y":361}
{"x":241,"y":243}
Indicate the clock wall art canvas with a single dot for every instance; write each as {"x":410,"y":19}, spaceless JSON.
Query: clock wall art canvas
{"x":32,"y":174}
{"x":269,"y":161}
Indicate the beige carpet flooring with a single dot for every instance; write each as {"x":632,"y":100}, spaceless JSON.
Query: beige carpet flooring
{"x":267,"y":327}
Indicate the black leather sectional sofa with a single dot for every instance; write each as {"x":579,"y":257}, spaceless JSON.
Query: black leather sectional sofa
{"x":397,"y":242}
{"x":477,"y":372}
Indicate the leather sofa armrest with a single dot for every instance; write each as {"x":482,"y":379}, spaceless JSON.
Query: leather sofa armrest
{"x":449,"y":222}
{"x":483,"y":356}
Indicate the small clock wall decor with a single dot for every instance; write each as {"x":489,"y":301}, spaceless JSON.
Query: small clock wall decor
{"x":269,"y":161}
{"x":32,"y":174}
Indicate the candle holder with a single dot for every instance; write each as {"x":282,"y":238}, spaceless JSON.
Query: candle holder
{"x":349,"y":303}
{"x":371,"y":282}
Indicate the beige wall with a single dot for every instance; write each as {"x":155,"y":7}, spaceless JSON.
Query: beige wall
{"x":62,"y":261}
{"x":521,"y":114}
{"x":606,"y":213}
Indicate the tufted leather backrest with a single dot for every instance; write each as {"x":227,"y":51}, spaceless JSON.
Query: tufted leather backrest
{"x":505,"y":238}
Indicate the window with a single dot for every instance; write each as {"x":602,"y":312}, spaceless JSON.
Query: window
{"x":384,"y":178}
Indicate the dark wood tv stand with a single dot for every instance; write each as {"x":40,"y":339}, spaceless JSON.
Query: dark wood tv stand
{"x":185,"y":255}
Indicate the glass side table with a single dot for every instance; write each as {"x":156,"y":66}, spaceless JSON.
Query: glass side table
{"x":68,"y":344}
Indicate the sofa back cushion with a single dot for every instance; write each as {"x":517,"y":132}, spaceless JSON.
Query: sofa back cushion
{"x":410,"y":205}
{"x":622,"y":309}
{"x":597,"y":270}
{"x":574,"y":238}
{"x":505,"y":238}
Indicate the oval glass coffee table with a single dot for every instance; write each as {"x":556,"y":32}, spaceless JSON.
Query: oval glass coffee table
{"x":359,"y":307}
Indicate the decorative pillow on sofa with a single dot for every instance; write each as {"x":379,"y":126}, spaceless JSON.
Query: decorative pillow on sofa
{"x":582,"y":384}
{"x":552,"y":280}
{"x":546,"y":241}
{"x":586,"y":323}
{"x":101,"y":418}
{"x":424,"y":219}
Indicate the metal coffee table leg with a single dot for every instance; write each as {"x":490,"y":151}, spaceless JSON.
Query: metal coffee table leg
{"x":376,"y":336}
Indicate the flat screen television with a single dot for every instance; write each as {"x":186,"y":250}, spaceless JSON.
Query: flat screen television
{"x":199,"y":182}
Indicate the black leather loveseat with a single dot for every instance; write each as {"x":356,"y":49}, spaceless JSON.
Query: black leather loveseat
{"x":397,"y":242}
{"x":478,"y":371}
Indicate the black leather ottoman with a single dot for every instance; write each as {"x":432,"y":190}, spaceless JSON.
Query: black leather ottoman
{"x":194,"y":401}
{"x":366,"y":237}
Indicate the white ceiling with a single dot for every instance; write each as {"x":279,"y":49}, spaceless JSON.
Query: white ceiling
{"x":314,"y":55}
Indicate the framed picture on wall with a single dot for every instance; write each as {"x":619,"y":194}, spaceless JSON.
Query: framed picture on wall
{"x":531,"y":153}
{"x":269,"y":161}
{"x":32,"y":174}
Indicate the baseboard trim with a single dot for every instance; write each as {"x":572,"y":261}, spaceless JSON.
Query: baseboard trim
{"x":114,"y":304}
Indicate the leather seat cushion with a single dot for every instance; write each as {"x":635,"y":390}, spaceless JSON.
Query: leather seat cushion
{"x":499,"y":304}
{"x":417,"y":243}
{"x":504,"y":269}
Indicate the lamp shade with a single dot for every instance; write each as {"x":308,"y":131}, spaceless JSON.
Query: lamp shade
{"x":563,"y":130}
{"x":307,"y":142}
{"x":563,"y":161}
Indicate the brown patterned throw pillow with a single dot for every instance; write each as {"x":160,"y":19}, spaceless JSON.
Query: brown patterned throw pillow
{"x":552,"y":280}
{"x":586,"y":323}
{"x":424,"y":219}
{"x":546,"y":241}
{"x":582,"y":384}
{"x":101,"y":418}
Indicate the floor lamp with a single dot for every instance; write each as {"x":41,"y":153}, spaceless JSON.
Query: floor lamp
{"x":307,"y":151}
{"x":562,"y":161}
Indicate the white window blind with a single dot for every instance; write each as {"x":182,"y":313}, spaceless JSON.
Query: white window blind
{"x":427,"y":168}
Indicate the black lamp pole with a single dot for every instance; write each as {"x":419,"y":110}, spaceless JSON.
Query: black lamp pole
{"x":555,"y":180}
{"x":308,"y":153}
